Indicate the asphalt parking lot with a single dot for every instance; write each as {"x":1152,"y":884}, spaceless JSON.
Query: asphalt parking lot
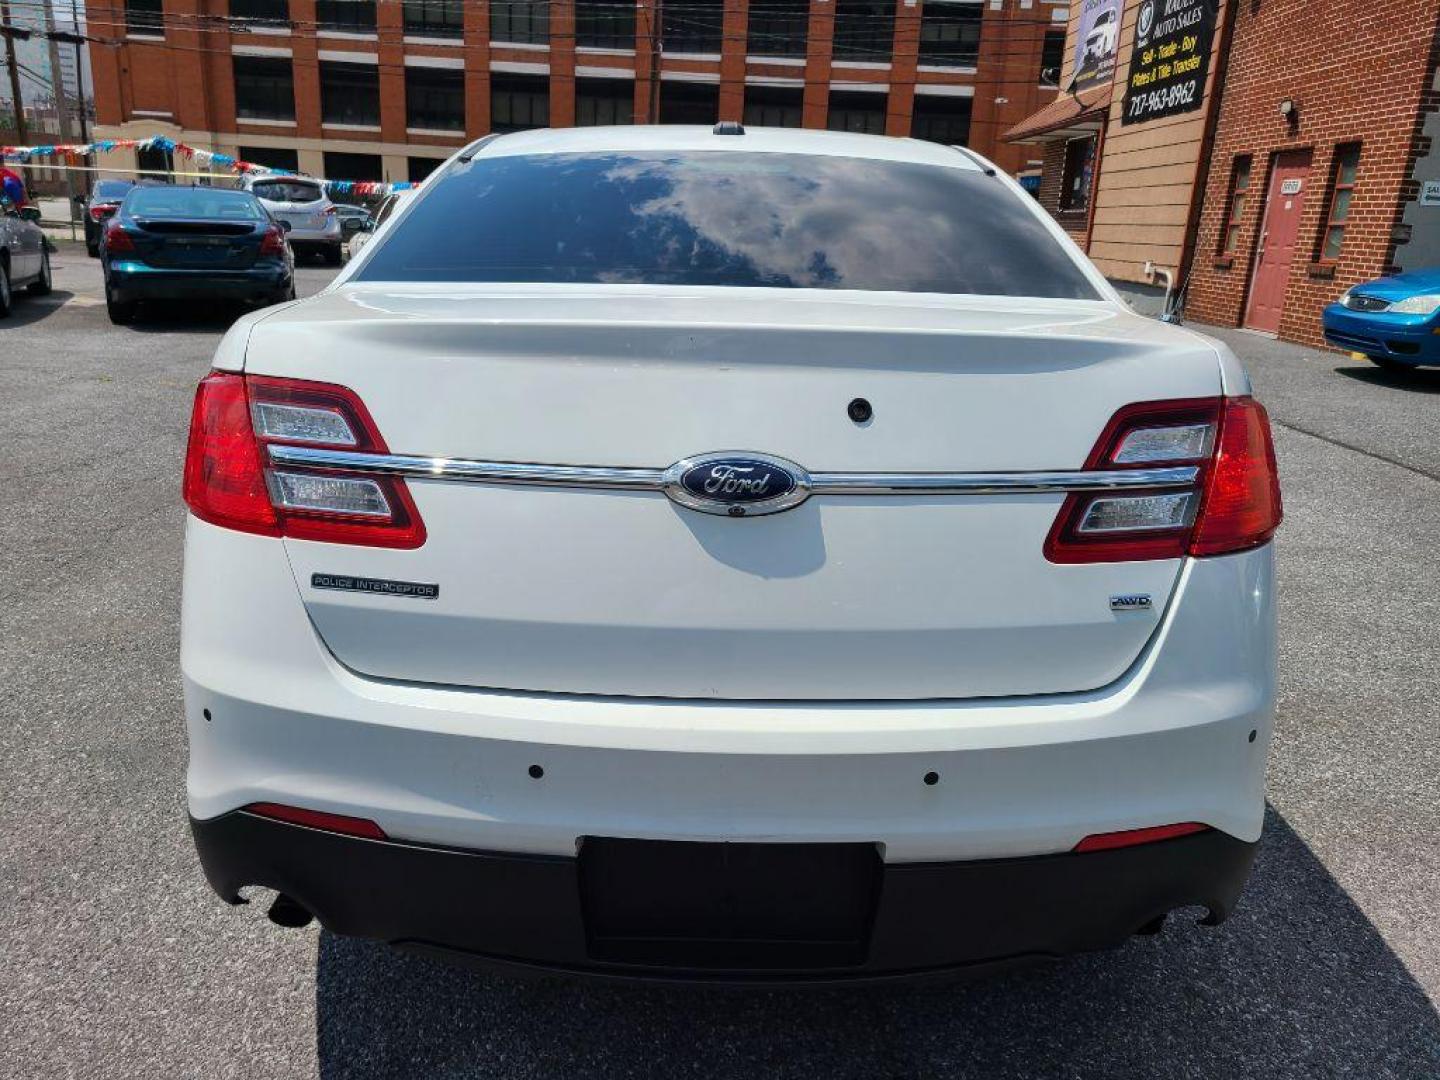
{"x":119,"y":962}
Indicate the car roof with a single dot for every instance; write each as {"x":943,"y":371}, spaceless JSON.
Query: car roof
{"x":676,"y":137}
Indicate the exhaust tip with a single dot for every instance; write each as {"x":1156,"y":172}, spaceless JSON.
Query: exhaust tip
{"x":285,"y":911}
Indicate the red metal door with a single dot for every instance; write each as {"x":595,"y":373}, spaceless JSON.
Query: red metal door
{"x":1278,"y":232}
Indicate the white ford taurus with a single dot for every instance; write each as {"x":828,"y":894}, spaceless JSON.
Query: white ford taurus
{"x":765,"y":555}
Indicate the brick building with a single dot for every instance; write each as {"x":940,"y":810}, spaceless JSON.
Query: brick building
{"x":385,"y":89}
{"x":1328,"y":125}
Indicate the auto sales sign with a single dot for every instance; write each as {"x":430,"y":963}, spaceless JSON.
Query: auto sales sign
{"x":1170,"y":59}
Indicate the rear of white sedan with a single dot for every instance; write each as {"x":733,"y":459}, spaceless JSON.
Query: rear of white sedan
{"x":774,"y":556}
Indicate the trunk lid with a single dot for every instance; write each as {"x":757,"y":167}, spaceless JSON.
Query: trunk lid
{"x":627,"y":593}
{"x":197,"y":244}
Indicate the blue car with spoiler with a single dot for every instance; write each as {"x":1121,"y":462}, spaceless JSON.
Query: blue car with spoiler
{"x":1395,"y":321}
{"x":194,"y":243}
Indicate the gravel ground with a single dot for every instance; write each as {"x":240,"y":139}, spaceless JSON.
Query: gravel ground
{"x":118,"y":961}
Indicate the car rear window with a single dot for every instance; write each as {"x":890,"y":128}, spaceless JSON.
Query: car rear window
{"x":725,"y":218}
{"x":286,"y":191}
{"x":208,"y":203}
{"x":112,"y":189}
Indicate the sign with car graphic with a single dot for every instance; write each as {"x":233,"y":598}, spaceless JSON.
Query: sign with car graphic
{"x":1170,"y":60}
{"x":1096,"y":43}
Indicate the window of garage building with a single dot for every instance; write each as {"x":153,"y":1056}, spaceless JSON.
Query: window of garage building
{"x":522,"y":22}
{"x":941,"y":118}
{"x":264,"y":88}
{"x":346,"y":16}
{"x":144,"y":17}
{"x":604,"y":24}
{"x":1235,"y":207}
{"x":692,"y":26}
{"x":342,"y":166}
{"x":778,"y":28}
{"x":261,"y":11}
{"x":349,"y":93}
{"x":950,"y":33}
{"x":689,"y":103}
{"x":861,"y":112}
{"x":865,"y":30}
{"x":418,"y":168}
{"x":1342,"y":192}
{"x":272,"y":157}
{"x":518,"y":102}
{"x":604,"y":101}
{"x":435,"y":98}
{"x":1075,"y":176}
{"x":774,"y":106}
{"x":435,"y":18}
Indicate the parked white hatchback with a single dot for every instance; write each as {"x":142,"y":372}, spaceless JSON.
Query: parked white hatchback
{"x":687,"y":554}
{"x":302,"y":204}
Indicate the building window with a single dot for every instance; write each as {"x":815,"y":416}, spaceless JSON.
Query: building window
{"x":941,"y":119}
{"x":271,"y":157}
{"x":695,"y":26}
{"x":418,"y":168}
{"x":864,"y":30}
{"x":151,"y":160}
{"x":349,"y":93}
{"x":518,"y":102}
{"x":778,"y":28}
{"x":264,"y":88}
{"x":604,"y":101}
{"x":524,"y":22}
{"x":435,"y":18}
{"x":604,"y":24}
{"x":1235,"y":208}
{"x":774,"y":106}
{"x":1052,"y":57}
{"x":261,"y":11}
{"x":949,"y":34}
{"x":1342,"y":190}
{"x":1075,"y":176}
{"x":689,"y":103}
{"x":858,"y":111}
{"x":144,"y":17}
{"x":339,"y":166}
{"x":346,"y":16}
{"x":435,"y":98}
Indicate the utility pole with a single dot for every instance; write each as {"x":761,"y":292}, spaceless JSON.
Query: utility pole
{"x":657,"y":51}
{"x":80,"y":105}
{"x":57,"y":77}
{"x":14,"y":66}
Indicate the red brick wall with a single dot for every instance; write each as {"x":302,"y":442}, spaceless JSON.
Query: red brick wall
{"x":1359,"y":71}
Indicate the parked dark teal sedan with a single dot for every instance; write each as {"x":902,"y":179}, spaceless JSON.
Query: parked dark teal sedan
{"x":186,"y":243}
{"x":1395,"y":321}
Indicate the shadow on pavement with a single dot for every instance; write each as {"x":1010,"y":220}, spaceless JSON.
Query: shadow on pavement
{"x":1423,"y":380}
{"x":1297,"y":983}
{"x":26,"y":310}
{"x":183,"y":317}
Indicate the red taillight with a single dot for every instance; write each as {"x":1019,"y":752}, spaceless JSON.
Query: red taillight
{"x":228,"y":480}
{"x":100,"y":211}
{"x":1241,"y":508}
{"x":1227,"y":442}
{"x":273,"y":242}
{"x":1109,"y":841}
{"x":117,"y":239}
{"x":318,"y":819}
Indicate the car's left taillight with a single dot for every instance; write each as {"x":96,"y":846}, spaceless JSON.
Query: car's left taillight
{"x":229,"y":480}
{"x":1231,"y":502}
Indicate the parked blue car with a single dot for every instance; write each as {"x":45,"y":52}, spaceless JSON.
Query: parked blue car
{"x":1395,"y":321}
{"x":182,"y":243}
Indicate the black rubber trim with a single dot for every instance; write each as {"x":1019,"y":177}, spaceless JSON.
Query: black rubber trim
{"x":525,"y":911}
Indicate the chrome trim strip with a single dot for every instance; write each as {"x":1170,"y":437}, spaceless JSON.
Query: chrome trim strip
{"x":595,"y":476}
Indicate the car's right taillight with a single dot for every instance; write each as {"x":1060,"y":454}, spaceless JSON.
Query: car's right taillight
{"x":272,"y":241}
{"x":101,"y":211}
{"x":1232,"y":503}
{"x":229,"y":480}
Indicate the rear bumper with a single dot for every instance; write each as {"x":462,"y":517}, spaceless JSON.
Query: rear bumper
{"x":137,"y":282}
{"x":1407,"y":339}
{"x":529,"y":911}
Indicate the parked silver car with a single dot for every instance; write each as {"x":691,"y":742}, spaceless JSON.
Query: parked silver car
{"x":24,"y":260}
{"x":302,"y":202}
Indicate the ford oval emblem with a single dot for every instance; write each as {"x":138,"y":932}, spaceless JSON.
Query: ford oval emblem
{"x":737,"y":484}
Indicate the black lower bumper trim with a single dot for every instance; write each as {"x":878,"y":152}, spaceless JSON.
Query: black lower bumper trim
{"x":528,"y":912}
